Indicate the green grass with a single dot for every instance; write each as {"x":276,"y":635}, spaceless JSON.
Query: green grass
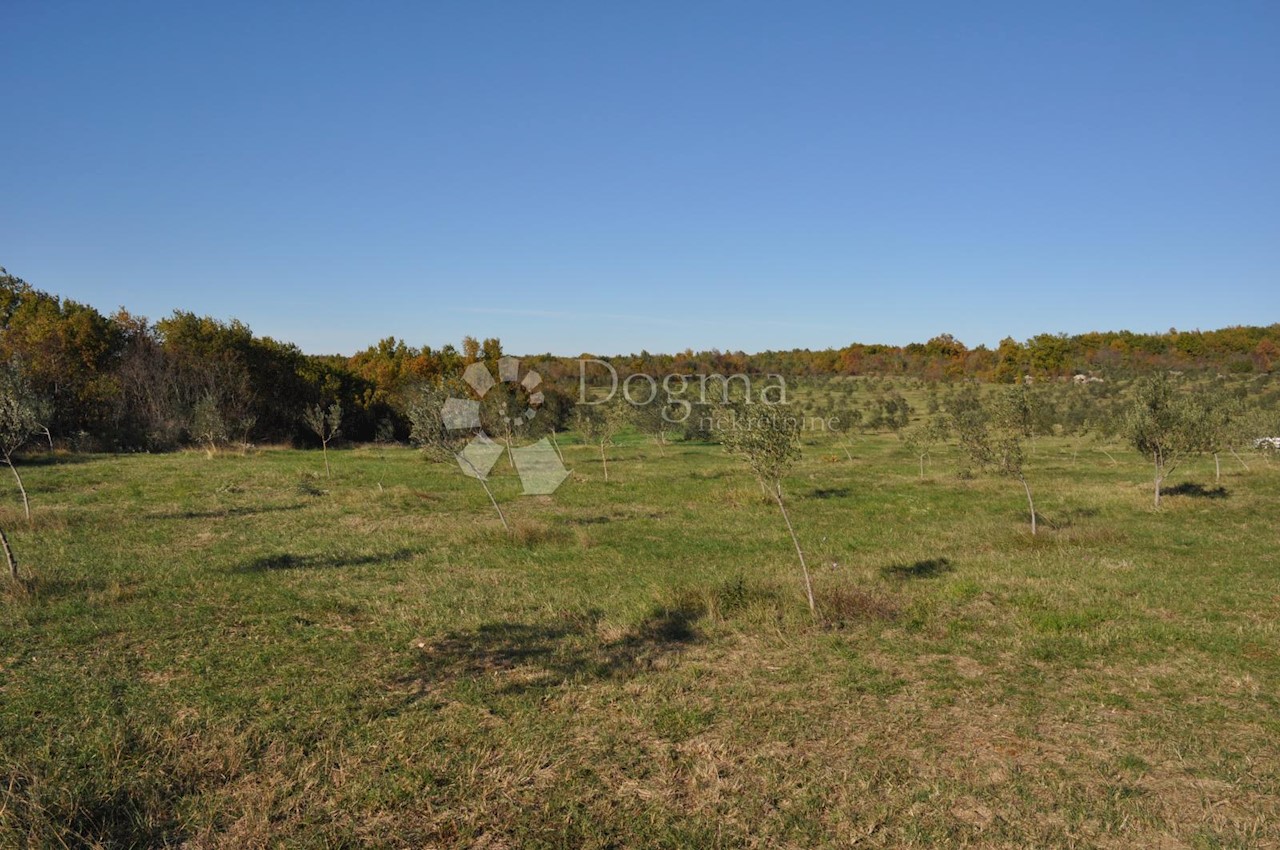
{"x":237,"y":652}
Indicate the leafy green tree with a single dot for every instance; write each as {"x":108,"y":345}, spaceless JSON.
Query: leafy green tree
{"x":68,"y":351}
{"x":1166,"y":425}
{"x":325,"y":423}
{"x":768,"y":441}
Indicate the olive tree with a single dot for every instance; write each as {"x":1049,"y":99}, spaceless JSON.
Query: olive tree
{"x":1255,"y":430}
{"x":424,"y":408}
{"x":507,"y":412}
{"x":768,"y":441}
{"x":325,"y":423}
{"x":1221,"y":410}
{"x":841,"y":418}
{"x":20,"y":410}
{"x":208,"y":426}
{"x":921,"y":439}
{"x":599,"y":424}
{"x":993,"y":435}
{"x":1166,"y":425}
{"x":653,"y":418}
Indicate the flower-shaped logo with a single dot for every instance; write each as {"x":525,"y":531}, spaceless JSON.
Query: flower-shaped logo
{"x":538,"y":465}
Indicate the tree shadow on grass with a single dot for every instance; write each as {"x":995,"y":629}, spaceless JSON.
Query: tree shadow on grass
{"x":515,"y":658}
{"x":220,"y":513}
{"x":1067,"y":518}
{"x":141,"y":813}
{"x":920,"y":569}
{"x":1197,"y":491}
{"x":289,"y":561}
{"x":43,"y":458}
{"x":591,"y":520}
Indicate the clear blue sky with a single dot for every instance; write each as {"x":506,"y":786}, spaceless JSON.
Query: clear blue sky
{"x":608,"y":177}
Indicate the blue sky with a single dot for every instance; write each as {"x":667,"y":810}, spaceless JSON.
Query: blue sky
{"x":607,"y":177}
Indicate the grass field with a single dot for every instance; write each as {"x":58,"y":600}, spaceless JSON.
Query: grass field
{"x":236,"y":652}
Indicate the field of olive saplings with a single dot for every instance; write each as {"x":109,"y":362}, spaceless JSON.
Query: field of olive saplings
{"x":948,"y":614}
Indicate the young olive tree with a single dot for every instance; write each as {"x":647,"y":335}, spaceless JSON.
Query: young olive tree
{"x":1165,"y":425}
{"x":994,"y":437}
{"x":599,"y":424}
{"x":208,"y":425}
{"x":1254,"y":431}
{"x":1222,"y":411}
{"x":896,"y":411}
{"x":424,"y":408}
{"x":325,"y":424}
{"x":841,"y":418}
{"x":20,"y":417}
{"x":768,"y":441}
{"x":502,"y":414}
{"x":652,"y":419}
{"x":20,"y":410}
{"x":922,"y":438}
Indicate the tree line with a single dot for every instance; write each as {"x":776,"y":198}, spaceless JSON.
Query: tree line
{"x":123,"y":382}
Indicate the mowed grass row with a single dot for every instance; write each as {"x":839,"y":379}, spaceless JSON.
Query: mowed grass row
{"x":238,"y":652}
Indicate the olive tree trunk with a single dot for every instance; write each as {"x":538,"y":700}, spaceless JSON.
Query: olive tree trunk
{"x":475,"y":473}
{"x":808,"y":585}
{"x":26,"y":504}
{"x":1030,"y":504}
{"x":9,"y":557}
